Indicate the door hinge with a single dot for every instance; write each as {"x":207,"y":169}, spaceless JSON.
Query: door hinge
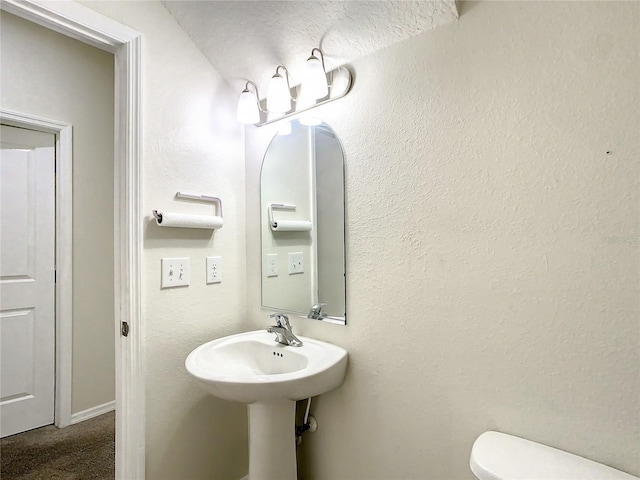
{"x":125,"y":329}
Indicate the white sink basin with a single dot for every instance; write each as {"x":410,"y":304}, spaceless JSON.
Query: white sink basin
{"x":252,"y":367}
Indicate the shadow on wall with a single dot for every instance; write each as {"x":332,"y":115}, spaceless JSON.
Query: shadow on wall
{"x":464,"y":7}
{"x":215,"y":430}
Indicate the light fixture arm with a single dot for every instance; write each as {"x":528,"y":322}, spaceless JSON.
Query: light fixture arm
{"x":321,"y":56}
{"x":285,"y":71}
{"x":255,"y":87}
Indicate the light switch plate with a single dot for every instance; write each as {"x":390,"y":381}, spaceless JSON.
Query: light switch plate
{"x":296,"y":263}
{"x":176,"y":272}
{"x":272,"y":265}
{"x":214,"y":269}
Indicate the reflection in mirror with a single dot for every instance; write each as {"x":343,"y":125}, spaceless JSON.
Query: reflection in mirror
{"x":302,"y":223}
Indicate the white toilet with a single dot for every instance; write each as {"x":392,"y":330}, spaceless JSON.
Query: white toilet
{"x":498,"y":456}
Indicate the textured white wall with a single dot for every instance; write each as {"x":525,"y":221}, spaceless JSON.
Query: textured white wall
{"x":52,"y":76}
{"x":492,"y":243}
{"x":191,"y":143}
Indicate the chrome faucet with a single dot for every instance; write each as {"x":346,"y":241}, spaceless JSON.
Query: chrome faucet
{"x":315,"y":311}
{"x":283,"y":330}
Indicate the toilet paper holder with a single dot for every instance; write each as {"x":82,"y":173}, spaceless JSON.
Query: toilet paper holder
{"x":194,"y":196}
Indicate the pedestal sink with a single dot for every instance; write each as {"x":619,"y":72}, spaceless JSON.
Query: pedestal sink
{"x":253,"y":368}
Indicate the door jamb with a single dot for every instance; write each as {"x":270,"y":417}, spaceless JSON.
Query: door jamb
{"x":82,"y":23}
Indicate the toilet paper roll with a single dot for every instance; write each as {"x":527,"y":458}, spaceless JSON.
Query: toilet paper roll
{"x":291,"y":226}
{"x":182,"y":220}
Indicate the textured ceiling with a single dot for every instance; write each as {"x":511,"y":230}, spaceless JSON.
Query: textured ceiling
{"x":247,"y":39}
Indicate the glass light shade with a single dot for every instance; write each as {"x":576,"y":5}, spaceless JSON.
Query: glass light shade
{"x":278,"y":95}
{"x":340,"y":81}
{"x":305,"y":99}
{"x":248,"y":110}
{"x":315,"y":78}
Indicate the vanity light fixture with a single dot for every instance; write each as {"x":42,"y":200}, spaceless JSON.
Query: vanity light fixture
{"x":279,"y":93}
{"x":249,"y":105}
{"x":318,"y":88}
{"x":315,"y":76}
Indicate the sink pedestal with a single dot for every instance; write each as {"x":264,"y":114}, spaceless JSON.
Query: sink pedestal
{"x":272,"y":440}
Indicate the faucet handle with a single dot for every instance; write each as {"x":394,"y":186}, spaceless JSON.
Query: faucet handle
{"x":281,"y":320}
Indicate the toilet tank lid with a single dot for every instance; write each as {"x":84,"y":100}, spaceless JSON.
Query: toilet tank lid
{"x":498,"y":456}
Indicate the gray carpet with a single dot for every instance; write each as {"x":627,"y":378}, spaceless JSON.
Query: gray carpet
{"x":82,"y":451}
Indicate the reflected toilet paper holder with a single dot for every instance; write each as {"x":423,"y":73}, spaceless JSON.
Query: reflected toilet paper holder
{"x":279,"y":206}
{"x":289,"y":225}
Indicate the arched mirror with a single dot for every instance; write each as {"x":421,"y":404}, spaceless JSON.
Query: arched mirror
{"x":302,"y":223}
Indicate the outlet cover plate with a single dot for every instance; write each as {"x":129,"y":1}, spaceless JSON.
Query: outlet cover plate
{"x":272,"y":264}
{"x":214,"y":269}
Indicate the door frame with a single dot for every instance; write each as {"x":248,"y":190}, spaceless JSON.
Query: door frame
{"x":83,"y":24}
{"x":63,"y":313}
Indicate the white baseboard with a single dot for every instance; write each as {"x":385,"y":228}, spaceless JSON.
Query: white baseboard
{"x":93,"y":412}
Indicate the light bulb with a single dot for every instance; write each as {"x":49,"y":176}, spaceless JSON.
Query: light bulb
{"x":248,"y":110}
{"x":278,"y":95}
{"x":315,"y":78}
{"x":309,"y":120}
{"x":285,"y":129}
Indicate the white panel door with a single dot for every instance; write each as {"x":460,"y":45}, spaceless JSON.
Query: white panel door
{"x":27,"y":284}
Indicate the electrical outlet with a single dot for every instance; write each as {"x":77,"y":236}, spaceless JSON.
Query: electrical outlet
{"x":214,"y":269}
{"x":176,"y":272}
{"x":296,"y":263}
{"x":272,"y":265}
